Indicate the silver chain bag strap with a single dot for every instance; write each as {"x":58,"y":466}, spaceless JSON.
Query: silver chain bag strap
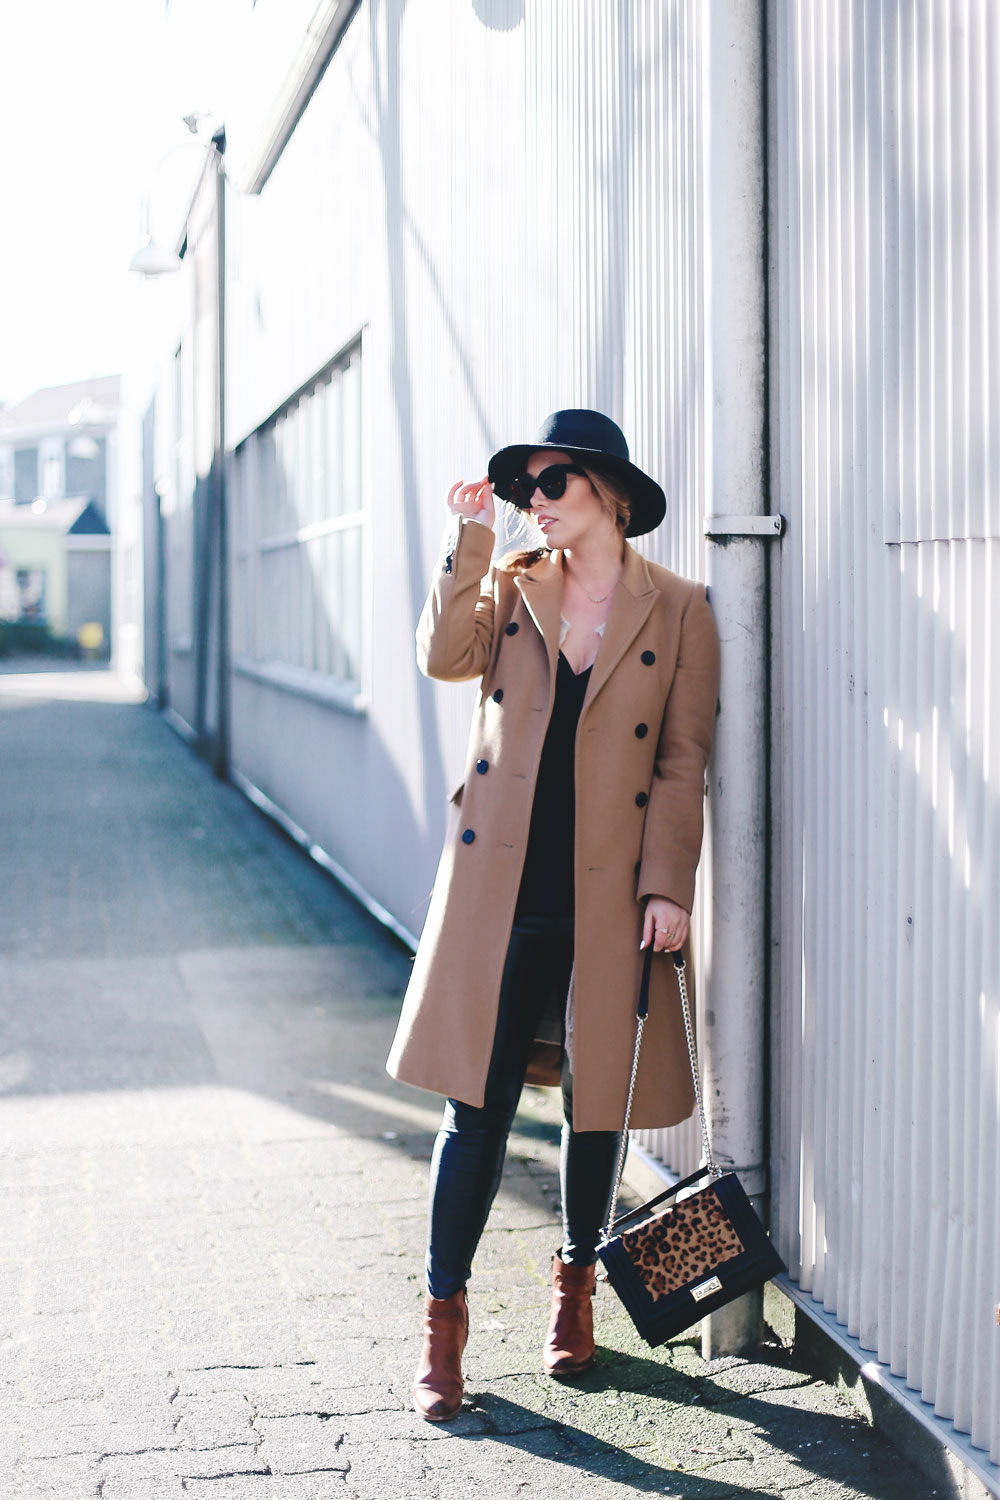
{"x":671,"y":1268}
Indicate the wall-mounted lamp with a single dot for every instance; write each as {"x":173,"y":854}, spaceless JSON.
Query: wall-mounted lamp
{"x":152,"y":259}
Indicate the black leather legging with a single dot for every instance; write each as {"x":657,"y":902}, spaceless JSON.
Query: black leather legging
{"x":471,"y":1143}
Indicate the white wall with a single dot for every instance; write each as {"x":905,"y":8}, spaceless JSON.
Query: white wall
{"x":886,"y":365}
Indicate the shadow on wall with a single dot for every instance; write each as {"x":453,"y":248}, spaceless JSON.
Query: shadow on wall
{"x":385,"y":75}
{"x":604,"y":222}
{"x":356,"y":816}
{"x":499,"y":15}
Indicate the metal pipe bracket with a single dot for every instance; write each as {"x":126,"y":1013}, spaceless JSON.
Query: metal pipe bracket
{"x":725,"y":526}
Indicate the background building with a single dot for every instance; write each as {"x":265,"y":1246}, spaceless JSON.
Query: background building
{"x":69,"y":556}
{"x":764,"y":238}
{"x":55,"y":571}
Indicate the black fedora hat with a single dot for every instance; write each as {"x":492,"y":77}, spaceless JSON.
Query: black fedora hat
{"x":600,"y":444}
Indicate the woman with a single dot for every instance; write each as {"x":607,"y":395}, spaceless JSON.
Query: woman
{"x":572,"y":844}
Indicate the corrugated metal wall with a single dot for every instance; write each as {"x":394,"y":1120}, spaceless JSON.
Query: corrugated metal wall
{"x":886,"y":793}
{"x":666,"y":322}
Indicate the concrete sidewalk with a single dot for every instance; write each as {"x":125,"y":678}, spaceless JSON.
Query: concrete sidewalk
{"x":214,"y":1198}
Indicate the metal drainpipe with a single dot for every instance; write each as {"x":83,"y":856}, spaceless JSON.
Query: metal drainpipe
{"x":220,"y":749}
{"x":732,"y":1043}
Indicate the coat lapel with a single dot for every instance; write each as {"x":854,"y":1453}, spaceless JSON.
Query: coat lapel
{"x":634,"y":598}
{"x":541,"y":588}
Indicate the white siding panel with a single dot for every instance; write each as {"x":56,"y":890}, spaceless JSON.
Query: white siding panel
{"x":885,"y":1118}
{"x":665,"y":365}
{"x":942,"y":223}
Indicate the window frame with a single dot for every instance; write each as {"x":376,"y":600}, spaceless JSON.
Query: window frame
{"x":282,"y":484}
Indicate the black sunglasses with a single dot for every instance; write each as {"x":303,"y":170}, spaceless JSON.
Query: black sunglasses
{"x":551,"y":482}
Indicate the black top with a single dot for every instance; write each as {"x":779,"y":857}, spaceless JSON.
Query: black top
{"x":547,"y":879}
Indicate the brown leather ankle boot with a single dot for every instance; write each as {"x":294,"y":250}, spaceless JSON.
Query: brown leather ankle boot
{"x":569,"y":1348}
{"x":437,"y":1385}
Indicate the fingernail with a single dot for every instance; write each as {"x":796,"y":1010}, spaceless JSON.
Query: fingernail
{"x":642,"y":945}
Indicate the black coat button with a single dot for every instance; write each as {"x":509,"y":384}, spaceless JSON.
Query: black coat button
{"x":512,"y":628}
{"x":648,"y":658}
{"x":641,"y":799}
{"x":468,"y":837}
{"x":482,"y":766}
{"x":641,"y":731}
{"x":498,"y":696}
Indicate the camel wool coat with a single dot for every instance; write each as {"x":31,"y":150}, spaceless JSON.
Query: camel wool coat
{"x":642,"y":746}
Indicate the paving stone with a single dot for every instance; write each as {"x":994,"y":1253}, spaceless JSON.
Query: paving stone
{"x":179,"y":1463}
{"x":379,"y":1427}
{"x":46,"y":1383}
{"x":106,"y":1438}
{"x":214,"y":1421}
{"x":61,"y":1478}
{"x":378,"y":1471}
{"x":39,"y":1416}
{"x":327,"y":1401}
{"x":321,"y":1486}
{"x":140,"y":1489}
{"x":302,"y":1444}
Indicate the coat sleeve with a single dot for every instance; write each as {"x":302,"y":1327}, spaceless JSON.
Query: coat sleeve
{"x":455,"y":630}
{"x":671,"y":844}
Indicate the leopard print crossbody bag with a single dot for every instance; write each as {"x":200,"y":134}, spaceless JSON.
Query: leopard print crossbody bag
{"x":672,"y":1267}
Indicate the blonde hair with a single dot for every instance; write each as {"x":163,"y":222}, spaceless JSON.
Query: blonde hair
{"x":613,"y":497}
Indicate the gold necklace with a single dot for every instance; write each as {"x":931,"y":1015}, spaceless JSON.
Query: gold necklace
{"x":603,"y":596}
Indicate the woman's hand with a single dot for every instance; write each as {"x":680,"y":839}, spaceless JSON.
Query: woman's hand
{"x":473,"y":501}
{"x":665,"y":925}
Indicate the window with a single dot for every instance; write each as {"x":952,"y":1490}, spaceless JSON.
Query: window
{"x":298,"y":527}
{"x":31,"y":596}
{"x":86,"y":468}
{"x":51,"y":462}
{"x":25,"y":475}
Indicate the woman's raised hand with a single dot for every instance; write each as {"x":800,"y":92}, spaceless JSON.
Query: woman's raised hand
{"x":473,"y":501}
